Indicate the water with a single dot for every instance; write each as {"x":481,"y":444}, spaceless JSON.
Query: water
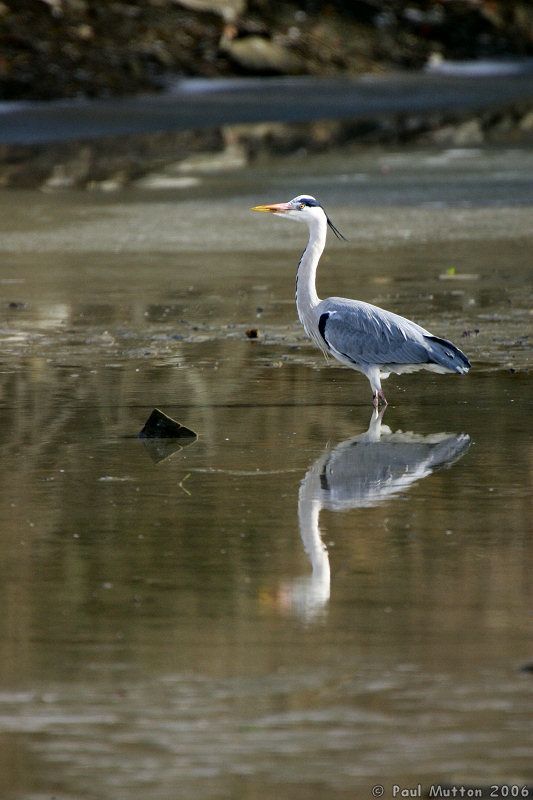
{"x":448,"y":87}
{"x":308,"y":600}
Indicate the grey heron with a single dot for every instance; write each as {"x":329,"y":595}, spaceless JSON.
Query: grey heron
{"x":362,"y":336}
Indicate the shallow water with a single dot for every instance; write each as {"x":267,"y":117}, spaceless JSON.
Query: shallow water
{"x":193,"y":104}
{"x":308,"y":600}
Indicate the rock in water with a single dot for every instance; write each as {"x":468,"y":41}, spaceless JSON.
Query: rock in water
{"x":161,"y":426}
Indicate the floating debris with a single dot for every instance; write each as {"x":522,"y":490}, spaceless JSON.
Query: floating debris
{"x":161,"y":426}
{"x":451,"y":274}
{"x":252,"y":333}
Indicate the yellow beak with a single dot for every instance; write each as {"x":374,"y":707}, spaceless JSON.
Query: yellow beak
{"x":274,"y":208}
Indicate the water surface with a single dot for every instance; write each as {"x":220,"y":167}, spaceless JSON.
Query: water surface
{"x":195,"y":104}
{"x":308,"y":600}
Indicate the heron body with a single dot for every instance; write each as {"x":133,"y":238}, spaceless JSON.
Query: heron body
{"x":360,"y":335}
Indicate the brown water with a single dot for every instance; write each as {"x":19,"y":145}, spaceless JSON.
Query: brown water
{"x":175,"y":628}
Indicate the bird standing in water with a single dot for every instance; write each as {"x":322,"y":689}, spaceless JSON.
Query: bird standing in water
{"x":361,"y":336}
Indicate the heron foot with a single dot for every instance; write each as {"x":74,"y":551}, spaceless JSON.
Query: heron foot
{"x":378,"y":397}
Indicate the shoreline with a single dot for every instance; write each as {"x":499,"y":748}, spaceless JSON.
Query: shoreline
{"x":155,"y":141}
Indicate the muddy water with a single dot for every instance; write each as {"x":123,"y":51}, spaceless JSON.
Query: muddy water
{"x":309,"y":600}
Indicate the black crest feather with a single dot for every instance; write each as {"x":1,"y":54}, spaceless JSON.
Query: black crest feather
{"x":335,"y":230}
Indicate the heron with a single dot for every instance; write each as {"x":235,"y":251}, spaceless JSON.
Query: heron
{"x":360,"y":335}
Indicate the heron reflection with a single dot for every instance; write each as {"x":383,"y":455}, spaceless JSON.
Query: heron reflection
{"x":361,"y":472}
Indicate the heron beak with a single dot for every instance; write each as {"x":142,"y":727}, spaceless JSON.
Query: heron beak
{"x":274,"y":208}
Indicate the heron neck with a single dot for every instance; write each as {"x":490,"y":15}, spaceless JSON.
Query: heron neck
{"x":306,"y":296}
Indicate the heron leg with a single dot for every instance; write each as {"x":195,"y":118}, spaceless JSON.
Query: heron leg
{"x":373,"y":375}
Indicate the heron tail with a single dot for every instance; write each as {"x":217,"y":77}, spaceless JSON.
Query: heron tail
{"x":447,"y":355}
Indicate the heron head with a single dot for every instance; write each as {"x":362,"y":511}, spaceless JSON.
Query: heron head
{"x":302,"y":208}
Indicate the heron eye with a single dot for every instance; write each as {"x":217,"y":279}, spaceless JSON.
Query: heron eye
{"x":301,"y":206}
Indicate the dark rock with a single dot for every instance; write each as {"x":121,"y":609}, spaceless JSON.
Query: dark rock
{"x":160,"y":426}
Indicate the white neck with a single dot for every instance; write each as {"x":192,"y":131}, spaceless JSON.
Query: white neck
{"x":306,"y":296}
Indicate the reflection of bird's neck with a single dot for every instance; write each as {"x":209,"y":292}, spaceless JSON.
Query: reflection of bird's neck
{"x":373,"y":434}
{"x":309,"y":505}
{"x":306,"y":296}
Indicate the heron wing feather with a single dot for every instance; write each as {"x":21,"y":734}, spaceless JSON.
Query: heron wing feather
{"x":366,"y":334}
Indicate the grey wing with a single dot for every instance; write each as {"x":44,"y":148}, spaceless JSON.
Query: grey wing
{"x":366,"y":334}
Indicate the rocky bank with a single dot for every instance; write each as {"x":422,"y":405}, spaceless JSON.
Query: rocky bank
{"x":67,"y":48}
{"x":88,"y":48}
